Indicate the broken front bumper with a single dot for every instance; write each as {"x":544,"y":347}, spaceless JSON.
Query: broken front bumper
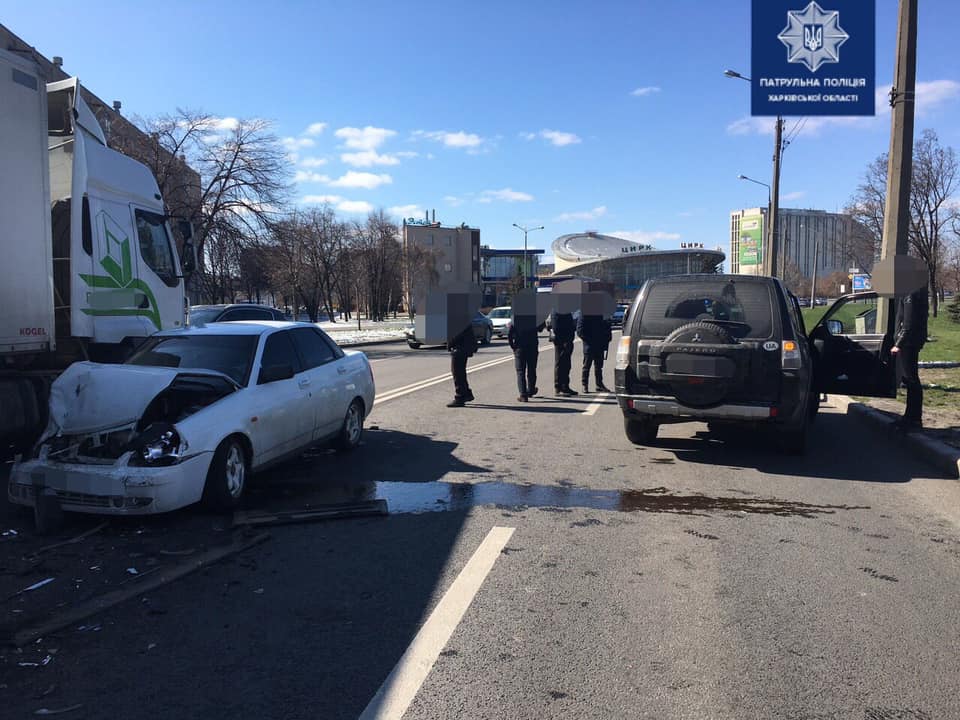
{"x":117,"y":489}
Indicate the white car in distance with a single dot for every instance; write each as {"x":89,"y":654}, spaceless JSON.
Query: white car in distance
{"x":191,"y":414}
{"x":500,"y":317}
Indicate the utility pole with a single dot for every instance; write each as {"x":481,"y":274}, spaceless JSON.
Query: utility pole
{"x":896,"y":216}
{"x":816,"y":259}
{"x":773,"y":244}
{"x":526,"y":269}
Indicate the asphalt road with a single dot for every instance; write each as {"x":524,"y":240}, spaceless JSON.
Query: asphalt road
{"x":695,"y":579}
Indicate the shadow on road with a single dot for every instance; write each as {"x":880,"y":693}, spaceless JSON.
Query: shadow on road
{"x":839,"y":447}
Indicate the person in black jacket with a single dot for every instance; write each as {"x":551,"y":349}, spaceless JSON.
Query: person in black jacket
{"x":461,"y":346}
{"x":564,"y":329}
{"x":524,"y":340}
{"x":911,"y":336}
{"x":596,"y":334}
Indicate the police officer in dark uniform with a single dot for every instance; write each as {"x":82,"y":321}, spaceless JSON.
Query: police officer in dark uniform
{"x":910,"y":338}
{"x":564,"y":331}
{"x":461,"y":346}
{"x":524,"y":340}
{"x":596,"y":333}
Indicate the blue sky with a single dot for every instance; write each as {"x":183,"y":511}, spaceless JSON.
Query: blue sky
{"x":613,"y":116}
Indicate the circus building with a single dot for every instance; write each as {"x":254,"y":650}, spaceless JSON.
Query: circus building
{"x":627,"y":264}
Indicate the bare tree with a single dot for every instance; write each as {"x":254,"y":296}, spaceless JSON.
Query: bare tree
{"x":935,"y":178}
{"x":933,"y":213}
{"x":795,"y":280}
{"x":376,"y":244}
{"x":867,"y":207}
{"x":239,"y":187}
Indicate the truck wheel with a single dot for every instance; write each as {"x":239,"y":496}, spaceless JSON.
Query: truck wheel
{"x":640,"y":432}
{"x":227,"y":477}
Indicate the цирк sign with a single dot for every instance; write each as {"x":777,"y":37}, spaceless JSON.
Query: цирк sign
{"x":813,"y":58}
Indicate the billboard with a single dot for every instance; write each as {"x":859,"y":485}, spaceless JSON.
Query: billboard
{"x":751,"y":240}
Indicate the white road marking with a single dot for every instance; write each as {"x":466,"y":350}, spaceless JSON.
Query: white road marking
{"x":594,"y":406}
{"x":402,"y":684}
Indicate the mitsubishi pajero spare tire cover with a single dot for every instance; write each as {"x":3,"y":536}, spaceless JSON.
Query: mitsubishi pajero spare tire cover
{"x":707,"y":378}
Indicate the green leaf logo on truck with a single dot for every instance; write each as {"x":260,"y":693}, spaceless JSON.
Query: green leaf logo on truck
{"x":118,"y":293}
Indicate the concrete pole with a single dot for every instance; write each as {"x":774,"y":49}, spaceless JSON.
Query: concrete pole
{"x":896,"y":217}
{"x":774,"y":250}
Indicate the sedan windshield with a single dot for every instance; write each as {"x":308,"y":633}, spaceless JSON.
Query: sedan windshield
{"x":499,"y":313}
{"x":231,"y":355}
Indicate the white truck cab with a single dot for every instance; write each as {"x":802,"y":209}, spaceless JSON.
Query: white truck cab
{"x":90,"y":263}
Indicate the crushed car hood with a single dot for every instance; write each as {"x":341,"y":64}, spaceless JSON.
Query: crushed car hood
{"x":90,"y":397}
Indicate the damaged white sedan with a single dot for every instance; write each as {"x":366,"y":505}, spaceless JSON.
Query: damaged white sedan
{"x":190,"y":415}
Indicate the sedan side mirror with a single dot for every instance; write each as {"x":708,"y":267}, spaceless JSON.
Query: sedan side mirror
{"x":834,"y":327}
{"x":274,"y":373}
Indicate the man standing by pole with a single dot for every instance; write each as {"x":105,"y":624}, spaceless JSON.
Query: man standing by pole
{"x":911,"y":336}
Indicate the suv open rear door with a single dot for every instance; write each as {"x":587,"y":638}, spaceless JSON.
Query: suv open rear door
{"x":851,"y":354}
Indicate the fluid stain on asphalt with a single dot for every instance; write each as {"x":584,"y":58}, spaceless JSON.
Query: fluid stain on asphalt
{"x":438,"y":496}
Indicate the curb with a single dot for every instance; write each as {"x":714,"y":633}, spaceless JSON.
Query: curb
{"x":927,"y":364}
{"x":933,"y":452}
{"x":367,"y":343}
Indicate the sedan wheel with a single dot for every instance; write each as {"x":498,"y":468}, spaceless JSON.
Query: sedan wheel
{"x":227,"y":477}
{"x":352,"y":430}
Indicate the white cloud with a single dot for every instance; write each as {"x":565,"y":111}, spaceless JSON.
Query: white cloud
{"x":796,"y":195}
{"x":223,"y":124}
{"x":368,"y":158}
{"x":354,"y":206}
{"x":292,"y":143}
{"x":528,"y":136}
{"x":458,"y":139}
{"x":453,"y":201}
{"x":367,"y":138}
{"x":322,"y":199}
{"x":405,"y":210}
{"x":644,"y":91}
{"x":316,"y":128}
{"x":304,"y":176}
{"x":506,"y":195}
{"x":407,"y":154}
{"x":555,"y":137}
{"x":368,"y":181}
{"x":312,"y":162}
{"x":584,"y":215}
{"x":645,"y":237}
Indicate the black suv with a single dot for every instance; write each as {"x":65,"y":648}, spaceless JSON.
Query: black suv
{"x":733,"y":349}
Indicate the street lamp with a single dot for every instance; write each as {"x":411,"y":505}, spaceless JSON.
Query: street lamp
{"x":748,"y":179}
{"x":775,"y":193}
{"x":526,"y":270}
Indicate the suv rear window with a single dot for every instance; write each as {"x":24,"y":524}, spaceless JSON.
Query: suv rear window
{"x":744,"y":308}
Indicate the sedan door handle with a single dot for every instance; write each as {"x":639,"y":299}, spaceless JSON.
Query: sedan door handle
{"x":341,"y":369}
{"x":304,"y":383}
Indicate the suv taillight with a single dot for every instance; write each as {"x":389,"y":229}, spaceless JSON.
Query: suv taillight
{"x":790,"y":358}
{"x":623,"y":354}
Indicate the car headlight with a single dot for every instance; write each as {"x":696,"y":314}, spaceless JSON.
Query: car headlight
{"x":159,"y":445}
